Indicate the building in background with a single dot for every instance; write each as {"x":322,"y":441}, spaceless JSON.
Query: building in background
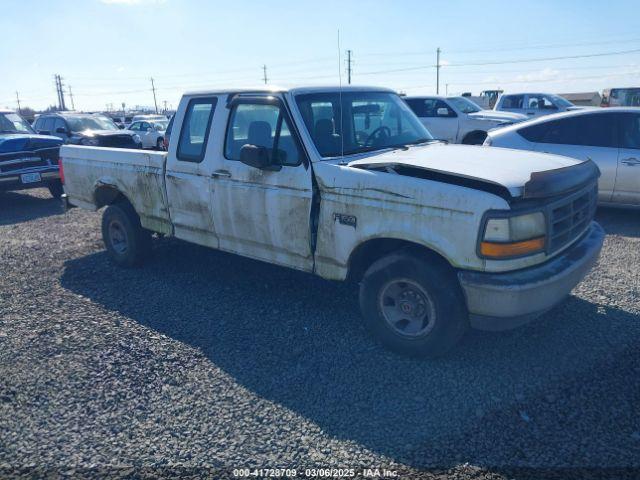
{"x":585,"y":99}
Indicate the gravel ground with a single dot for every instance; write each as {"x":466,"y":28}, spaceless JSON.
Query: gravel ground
{"x":203,"y":361}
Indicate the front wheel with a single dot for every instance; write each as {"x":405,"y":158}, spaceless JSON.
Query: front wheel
{"x":127,"y":243}
{"x":413,"y":305}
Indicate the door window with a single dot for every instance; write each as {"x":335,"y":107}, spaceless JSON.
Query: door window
{"x":135,"y":127}
{"x":264,"y":126}
{"x":195,"y":129}
{"x":512,"y":101}
{"x":429,"y":107}
{"x":540,"y":102}
{"x":630,"y":131}
{"x":59,"y":123}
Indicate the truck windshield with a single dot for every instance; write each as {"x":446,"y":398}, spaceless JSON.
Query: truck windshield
{"x":80,"y":124}
{"x":464,"y":104}
{"x":357,"y":122}
{"x":14,"y":123}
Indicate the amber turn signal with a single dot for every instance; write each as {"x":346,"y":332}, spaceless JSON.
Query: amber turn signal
{"x":500,"y":250}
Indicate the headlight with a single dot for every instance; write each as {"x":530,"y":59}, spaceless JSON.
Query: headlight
{"x":136,"y":138}
{"x":90,"y":141}
{"x":506,"y":237}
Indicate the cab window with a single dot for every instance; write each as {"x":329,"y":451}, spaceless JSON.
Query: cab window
{"x":195,"y":129}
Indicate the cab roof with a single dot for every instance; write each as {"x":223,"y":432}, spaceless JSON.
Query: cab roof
{"x":294,"y":91}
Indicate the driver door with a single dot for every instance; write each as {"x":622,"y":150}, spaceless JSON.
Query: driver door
{"x":263,"y":213}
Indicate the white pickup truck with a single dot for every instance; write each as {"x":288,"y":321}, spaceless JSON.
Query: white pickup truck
{"x":346,"y":183}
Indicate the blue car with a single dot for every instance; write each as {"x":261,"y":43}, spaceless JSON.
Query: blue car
{"x":27,"y":159}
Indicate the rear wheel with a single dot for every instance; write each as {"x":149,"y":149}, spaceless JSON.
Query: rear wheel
{"x":55,"y":189}
{"x":413,"y":305}
{"x":126,"y":241}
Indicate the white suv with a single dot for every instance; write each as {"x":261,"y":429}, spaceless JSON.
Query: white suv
{"x":458,"y":119}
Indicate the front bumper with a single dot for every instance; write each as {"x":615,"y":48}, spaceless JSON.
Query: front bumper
{"x":500,"y":301}
{"x":13,"y":181}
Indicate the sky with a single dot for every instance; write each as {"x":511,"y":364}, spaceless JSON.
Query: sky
{"x":107,"y":51}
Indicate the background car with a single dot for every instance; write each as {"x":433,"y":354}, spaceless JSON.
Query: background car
{"x":621,"y":97}
{"x":534,"y":104}
{"x":610,"y":137}
{"x":148,"y":117}
{"x":151,"y":132}
{"x":27,"y":160}
{"x":458,"y":119}
{"x":86,"y":129}
{"x":167,"y":133}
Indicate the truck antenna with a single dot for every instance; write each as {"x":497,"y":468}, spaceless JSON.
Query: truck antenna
{"x":340,"y":98}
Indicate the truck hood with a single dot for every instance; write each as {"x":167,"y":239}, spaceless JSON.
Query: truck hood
{"x":24,"y":142}
{"x":498,"y":116}
{"x":510,"y":170}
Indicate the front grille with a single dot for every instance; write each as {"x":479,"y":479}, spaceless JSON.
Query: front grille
{"x":117,"y":141}
{"x":28,"y":160}
{"x":569,"y":218}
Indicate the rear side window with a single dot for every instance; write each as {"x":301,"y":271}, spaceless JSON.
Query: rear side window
{"x":195,"y":129}
{"x":417,"y":105}
{"x":630,"y":131}
{"x":512,"y":101}
{"x":596,"y":130}
{"x":534,"y":133}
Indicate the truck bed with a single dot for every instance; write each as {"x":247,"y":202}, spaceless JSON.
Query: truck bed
{"x":93,"y":175}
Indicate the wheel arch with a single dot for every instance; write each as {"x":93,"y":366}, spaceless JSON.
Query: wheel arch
{"x":369,"y":251}
{"x":108,"y":194}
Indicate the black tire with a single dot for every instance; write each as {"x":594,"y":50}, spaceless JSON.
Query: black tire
{"x":474,"y":138}
{"x":55,"y":189}
{"x":424,"y":277}
{"x":127,"y":243}
{"x":160,"y":144}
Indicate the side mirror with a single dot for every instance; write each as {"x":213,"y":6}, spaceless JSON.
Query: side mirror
{"x":121,"y":127}
{"x":61,"y":130}
{"x":257,"y":157}
{"x":149,"y":129}
{"x":442,"y":112}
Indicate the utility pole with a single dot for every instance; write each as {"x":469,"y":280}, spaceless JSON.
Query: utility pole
{"x":349,"y":67}
{"x":264,"y":74}
{"x":73,"y":107}
{"x":165,"y":106}
{"x":438,"y":71}
{"x":18,"y":99}
{"x":60,"y":91}
{"x":153,"y":87}
{"x":55,"y":78}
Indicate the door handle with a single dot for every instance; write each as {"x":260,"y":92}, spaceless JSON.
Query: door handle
{"x":631,"y":161}
{"x":221,"y":174}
